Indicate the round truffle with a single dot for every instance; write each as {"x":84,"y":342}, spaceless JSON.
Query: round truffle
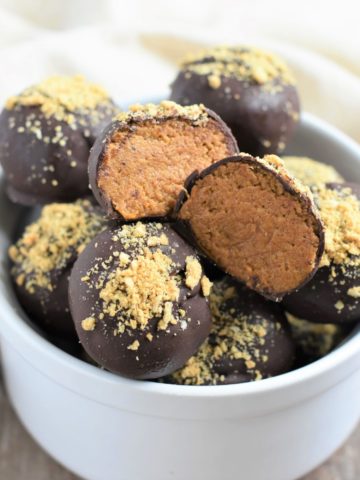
{"x":333,"y":295}
{"x":42,"y":259}
{"x":253,"y":92}
{"x":313,"y":340}
{"x":139,"y":164}
{"x":249,"y":340}
{"x":311,"y":172}
{"x":46,"y":133}
{"x":138,"y":300}
{"x":253,"y":221}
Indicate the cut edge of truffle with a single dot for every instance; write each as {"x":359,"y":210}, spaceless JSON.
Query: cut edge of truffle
{"x":270,"y":165}
{"x":143,"y":147}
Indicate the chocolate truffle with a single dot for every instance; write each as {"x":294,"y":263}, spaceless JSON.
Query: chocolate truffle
{"x":138,"y":300}
{"x":46,"y":134}
{"x":139,"y":164}
{"x":313,"y":340}
{"x":333,"y":295}
{"x":249,"y":340}
{"x":255,"y":222}
{"x":311,"y":172}
{"x":42,"y":259}
{"x":253,"y":92}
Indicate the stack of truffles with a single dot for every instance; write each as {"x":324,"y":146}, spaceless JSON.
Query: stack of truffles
{"x":187,"y":261}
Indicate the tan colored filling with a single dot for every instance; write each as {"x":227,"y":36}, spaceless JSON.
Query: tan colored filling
{"x":143,"y":171}
{"x":246,"y":221}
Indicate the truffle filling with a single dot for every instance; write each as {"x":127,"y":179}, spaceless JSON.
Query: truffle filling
{"x":250,"y":225}
{"x":144,"y":168}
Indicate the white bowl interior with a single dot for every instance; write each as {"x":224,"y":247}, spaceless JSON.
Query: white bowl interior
{"x":101,"y":425}
{"x":313,"y":138}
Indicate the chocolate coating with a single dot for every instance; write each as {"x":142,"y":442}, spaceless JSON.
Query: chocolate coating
{"x":318,"y":301}
{"x":44,"y":154}
{"x":249,"y":340}
{"x":158,"y":177}
{"x":333,"y":294}
{"x":262,"y":116}
{"x":42,"y":260}
{"x":110,"y":329}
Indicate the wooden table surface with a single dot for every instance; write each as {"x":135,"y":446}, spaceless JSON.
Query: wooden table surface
{"x":22,"y":459}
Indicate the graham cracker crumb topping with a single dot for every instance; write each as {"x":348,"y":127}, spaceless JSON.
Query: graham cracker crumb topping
{"x":197,"y":114}
{"x":340,"y":213}
{"x":134,"y":345}
{"x":234,"y":335}
{"x":193,"y":272}
{"x":88,"y":324}
{"x":354,"y":292}
{"x":244,"y":63}
{"x":60,"y":97}
{"x":54,"y":240}
{"x":141,"y":291}
{"x":311,"y":172}
{"x":206,"y":286}
{"x":139,"y":283}
{"x":49,"y":109}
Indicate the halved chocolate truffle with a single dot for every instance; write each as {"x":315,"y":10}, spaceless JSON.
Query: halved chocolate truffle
{"x":333,"y":295}
{"x":255,"y":222}
{"x":139,"y":164}
{"x":43,"y":257}
{"x":138,"y":300}
{"x":249,"y":340}
{"x":46,"y":133}
{"x":311,"y":172}
{"x":253,"y":92}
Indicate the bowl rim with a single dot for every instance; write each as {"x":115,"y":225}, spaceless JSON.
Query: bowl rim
{"x":343,"y":353}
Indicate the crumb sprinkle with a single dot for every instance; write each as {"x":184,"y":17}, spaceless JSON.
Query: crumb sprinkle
{"x":354,"y":292}
{"x":233,"y":336}
{"x":61,"y":97}
{"x":197,"y":114}
{"x":88,"y":324}
{"x":340,"y":213}
{"x":193,"y":272}
{"x":244,"y":63}
{"x":139,"y":284}
{"x":62,"y":231}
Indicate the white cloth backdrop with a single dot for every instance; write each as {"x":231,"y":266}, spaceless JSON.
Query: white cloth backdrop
{"x":132,"y":46}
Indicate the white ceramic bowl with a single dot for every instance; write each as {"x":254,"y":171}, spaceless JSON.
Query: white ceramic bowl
{"x":104,"y":427}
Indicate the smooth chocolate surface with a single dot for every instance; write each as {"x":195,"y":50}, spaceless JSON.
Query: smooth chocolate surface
{"x":137,"y":300}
